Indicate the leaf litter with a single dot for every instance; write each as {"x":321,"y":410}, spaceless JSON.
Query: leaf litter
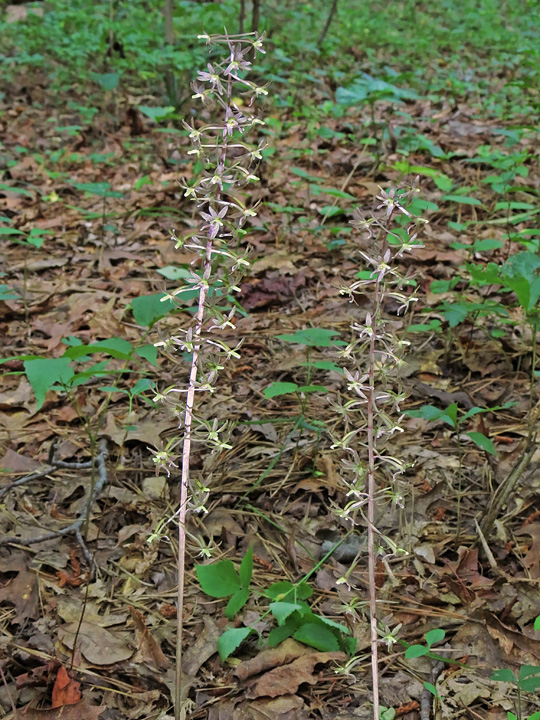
{"x":81,"y":284}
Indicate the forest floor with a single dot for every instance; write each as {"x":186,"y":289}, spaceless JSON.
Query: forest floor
{"x":106,"y":193}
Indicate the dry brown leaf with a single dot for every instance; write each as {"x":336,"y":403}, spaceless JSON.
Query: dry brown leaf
{"x":66,"y":691}
{"x":80,"y":711}
{"x":287,"y":678}
{"x":99,"y":646}
{"x":148,"y":645}
{"x":288,"y":707}
{"x":21,"y":590}
{"x":284,"y":654}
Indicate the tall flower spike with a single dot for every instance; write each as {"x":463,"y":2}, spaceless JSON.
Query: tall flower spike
{"x":227,"y":160}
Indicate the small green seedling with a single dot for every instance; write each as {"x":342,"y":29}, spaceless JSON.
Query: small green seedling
{"x":293,"y":615}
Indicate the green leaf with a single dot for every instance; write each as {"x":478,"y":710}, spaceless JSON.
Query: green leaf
{"x":148,"y":309}
{"x":141,"y":386}
{"x":282,"y":610}
{"x":487,"y":244}
{"x":115,"y":347}
{"x":148,"y":352}
{"x":246,"y":568}
{"x":279,"y":388}
{"x":415,"y":651}
{"x":285,"y":589}
{"x":313,"y":337}
{"x":504,"y":675}
{"x":483,"y":442}
{"x":10,"y":231}
{"x":306,"y":176}
{"x":324,"y":365}
{"x":434,"y":636}
{"x":317,"y":636}
{"x":102,"y":189}
{"x":312,"y":388}
{"x":218,"y":579}
{"x":432,"y":689}
{"x":236,"y":603}
{"x":461,"y":199}
{"x":537,"y":623}
{"x":171,"y":272}
{"x":156,"y":113}
{"x":231,"y":639}
{"x":282,"y":632}
{"x":526,"y":671}
{"x":432,"y":413}
{"x":386,"y":713}
{"x":7,"y":294}
{"x":530,"y":684}
{"x":43,"y":374}
{"x":108,"y":81}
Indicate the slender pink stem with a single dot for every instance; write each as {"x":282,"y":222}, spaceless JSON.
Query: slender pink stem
{"x":371,"y":488}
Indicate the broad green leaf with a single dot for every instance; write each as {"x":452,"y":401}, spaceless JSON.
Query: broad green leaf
{"x":43,"y":374}
{"x":141,"y":386}
{"x":487,"y":244}
{"x":279,"y":388}
{"x":236,"y":603}
{"x":306,"y":176}
{"x":537,"y":623}
{"x":386,"y":713}
{"x":282,"y":632}
{"x":171,"y":272}
{"x":526,"y":671}
{"x":286,"y":590}
{"x":317,"y":636}
{"x":282,"y":610}
{"x":157,"y":113}
{"x":7,"y":294}
{"x":483,"y":442}
{"x":246,"y":568}
{"x":530,"y":684}
{"x":313,"y":337}
{"x":324,"y":365}
{"x":415,"y":651}
{"x":218,"y":579}
{"x":312,"y":388}
{"x":434,"y":636}
{"x":148,"y":352}
{"x":102,"y":189}
{"x":108,"y":81}
{"x":504,"y":675}
{"x":10,"y":231}
{"x":461,"y":199}
{"x":147,"y":309}
{"x":432,"y":689}
{"x":231,"y":639}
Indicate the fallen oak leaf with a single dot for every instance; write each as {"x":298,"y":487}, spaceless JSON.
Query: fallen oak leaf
{"x":148,"y":645}
{"x":98,"y":645}
{"x":80,"y":711}
{"x":286,"y":679}
{"x":66,"y":691}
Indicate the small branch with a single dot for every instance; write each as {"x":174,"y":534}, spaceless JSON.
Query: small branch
{"x":75,"y":527}
{"x":506,"y":487}
{"x":56,"y":464}
{"x":328,"y":23}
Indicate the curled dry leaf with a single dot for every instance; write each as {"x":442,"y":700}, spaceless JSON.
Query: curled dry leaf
{"x":66,"y":691}
{"x":80,"y":711}
{"x":288,"y":678}
{"x":284,"y":654}
{"x":98,"y":645}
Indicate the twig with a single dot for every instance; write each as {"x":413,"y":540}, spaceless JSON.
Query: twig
{"x":506,"y":487}
{"x":426,"y":701}
{"x":55,"y":465}
{"x":75,"y":527}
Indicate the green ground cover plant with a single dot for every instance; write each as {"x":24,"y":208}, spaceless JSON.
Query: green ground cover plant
{"x":315,"y":424}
